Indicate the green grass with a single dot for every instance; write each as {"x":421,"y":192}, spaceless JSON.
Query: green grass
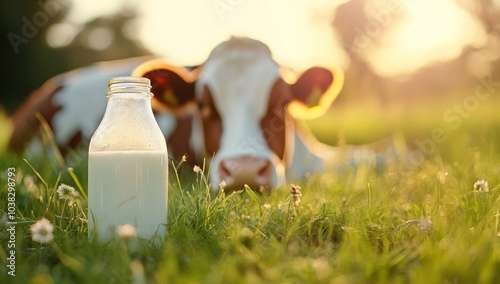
{"x":397,"y":225}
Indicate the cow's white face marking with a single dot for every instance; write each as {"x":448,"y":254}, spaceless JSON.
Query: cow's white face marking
{"x":240,"y":75}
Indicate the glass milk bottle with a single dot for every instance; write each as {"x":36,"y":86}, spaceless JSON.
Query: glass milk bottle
{"x":127,"y":182}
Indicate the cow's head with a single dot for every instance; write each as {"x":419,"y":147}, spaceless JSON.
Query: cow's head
{"x":242,"y":102}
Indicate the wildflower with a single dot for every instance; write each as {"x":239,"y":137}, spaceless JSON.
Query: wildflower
{"x":197,"y":169}
{"x":66,"y":192}
{"x":182,"y":161}
{"x":42,"y":231}
{"x":222,"y":184}
{"x":126,"y":231}
{"x":481,"y":186}
{"x":295,"y":193}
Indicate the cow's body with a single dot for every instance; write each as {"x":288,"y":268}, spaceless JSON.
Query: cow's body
{"x":232,"y":111}
{"x":73,"y":103}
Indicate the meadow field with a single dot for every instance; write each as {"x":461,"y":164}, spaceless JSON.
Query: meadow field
{"x":433,"y":219}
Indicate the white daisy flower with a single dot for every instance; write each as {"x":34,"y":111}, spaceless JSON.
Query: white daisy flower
{"x":66,"y":192}
{"x":42,"y":231}
{"x":126,"y":231}
{"x":481,"y":186}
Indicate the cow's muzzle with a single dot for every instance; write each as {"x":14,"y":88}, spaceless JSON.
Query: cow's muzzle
{"x":252,"y":171}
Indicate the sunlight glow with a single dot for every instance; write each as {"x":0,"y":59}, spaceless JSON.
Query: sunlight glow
{"x":430,"y":31}
{"x":299,"y":33}
{"x":82,"y":11}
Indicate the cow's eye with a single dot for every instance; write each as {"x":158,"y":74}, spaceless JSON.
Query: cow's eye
{"x":201,"y":105}
{"x":206,"y":105}
{"x":207,"y":110}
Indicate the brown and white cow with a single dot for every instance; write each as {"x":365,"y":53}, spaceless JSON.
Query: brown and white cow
{"x":236,"y":110}
{"x":73,"y":104}
{"x":237,"y":102}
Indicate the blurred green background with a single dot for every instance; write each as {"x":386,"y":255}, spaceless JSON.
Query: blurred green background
{"x":410,"y":66}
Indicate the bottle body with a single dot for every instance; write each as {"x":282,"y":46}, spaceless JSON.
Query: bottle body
{"x":128,"y":167}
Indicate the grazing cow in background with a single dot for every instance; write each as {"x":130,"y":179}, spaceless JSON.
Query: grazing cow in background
{"x":72,"y":103}
{"x":235,"y":109}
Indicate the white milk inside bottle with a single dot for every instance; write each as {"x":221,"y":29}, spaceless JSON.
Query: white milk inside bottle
{"x":129,"y":188}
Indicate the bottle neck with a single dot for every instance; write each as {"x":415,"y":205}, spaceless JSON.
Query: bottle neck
{"x":129,"y":97}
{"x":129,"y":87}
{"x":128,"y":122}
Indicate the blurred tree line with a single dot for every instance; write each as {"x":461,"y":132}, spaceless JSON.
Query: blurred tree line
{"x":435,"y":81}
{"x":27,"y":58}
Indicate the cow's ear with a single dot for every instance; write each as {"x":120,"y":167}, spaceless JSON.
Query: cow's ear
{"x":172,"y":86}
{"x":314,"y":91}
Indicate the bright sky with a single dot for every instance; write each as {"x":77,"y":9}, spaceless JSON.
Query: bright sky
{"x":84,"y":10}
{"x":291,"y":28}
{"x":431,"y":31}
{"x":298,"y":31}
